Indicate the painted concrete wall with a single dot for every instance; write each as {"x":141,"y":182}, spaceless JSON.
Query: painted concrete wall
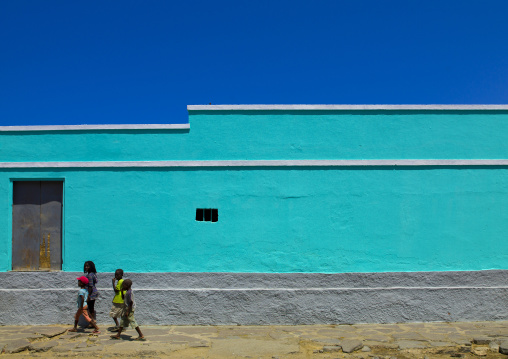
{"x":257,"y":135}
{"x":330,"y":220}
{"x":305,"y":220}
{"x":297,"y":220}
{"x":272,"y":298}
{"x":293,"y":244}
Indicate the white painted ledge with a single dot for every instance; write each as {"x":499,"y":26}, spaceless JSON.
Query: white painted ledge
{"x":179,"y":126}
{"x":343,"y":107}
{"x":254,"y":163}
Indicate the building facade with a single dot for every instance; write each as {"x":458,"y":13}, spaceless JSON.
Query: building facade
{"x":263,"y":215}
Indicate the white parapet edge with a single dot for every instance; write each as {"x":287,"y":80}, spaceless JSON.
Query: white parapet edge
{"x":343,"y":107}
{"x":178,"y":126}
{"x":256,"y":163}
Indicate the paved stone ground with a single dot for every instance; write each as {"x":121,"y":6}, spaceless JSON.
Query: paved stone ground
{"x":382,"y":341}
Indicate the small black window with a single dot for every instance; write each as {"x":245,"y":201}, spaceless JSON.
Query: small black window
{"x":199,"y":214}
{"x":207,"y":214}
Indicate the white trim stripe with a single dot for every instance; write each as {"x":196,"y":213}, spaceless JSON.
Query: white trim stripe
{"x":321,"y":289}
{"x":343,"y":107}
{"x":178,"y":126}
{"x":255,"y":163}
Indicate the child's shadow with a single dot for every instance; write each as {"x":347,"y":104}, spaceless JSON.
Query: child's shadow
{"x":114,"y":329}
{"x":123,"y":337}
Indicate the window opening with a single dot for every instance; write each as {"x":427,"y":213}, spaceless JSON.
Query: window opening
{"x":207,"y":214}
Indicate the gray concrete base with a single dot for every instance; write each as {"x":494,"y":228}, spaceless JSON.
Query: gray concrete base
{"x":266,"y":298}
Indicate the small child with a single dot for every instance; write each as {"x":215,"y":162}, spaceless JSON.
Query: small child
{"x":116,"y":309}
{"x":82,"y":306}
{"x":128,"y":311}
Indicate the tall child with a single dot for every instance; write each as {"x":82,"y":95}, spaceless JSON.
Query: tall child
{"x":91,"y":275}
{"x":128,"y":311}
{"x":82,"y":306}
{"x":116,"y":309}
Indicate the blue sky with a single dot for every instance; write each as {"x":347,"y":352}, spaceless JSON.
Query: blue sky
{"x":70,"y":62}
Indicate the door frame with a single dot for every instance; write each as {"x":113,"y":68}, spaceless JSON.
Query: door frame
{"x":11,"y":200}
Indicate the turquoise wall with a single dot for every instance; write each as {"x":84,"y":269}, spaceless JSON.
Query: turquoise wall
{"x":267,"y":135}
{"x":272,"y":219}
{"x":300,"y":220}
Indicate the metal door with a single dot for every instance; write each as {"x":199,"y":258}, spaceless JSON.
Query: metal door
{"x":37,"y":225}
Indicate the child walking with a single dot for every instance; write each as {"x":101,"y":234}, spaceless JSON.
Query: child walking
{"x":116,"y":309}
{"x":91,"y":275}
{"x":128,"y":313}
{"x":82,"y":306}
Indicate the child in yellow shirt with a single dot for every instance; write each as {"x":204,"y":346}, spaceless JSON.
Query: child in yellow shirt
{"x":116,"y":309}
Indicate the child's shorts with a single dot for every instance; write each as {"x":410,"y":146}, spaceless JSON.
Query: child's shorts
{"x":130,"y":320}
{"x":116,"y":310}
{"x":83,"y":311}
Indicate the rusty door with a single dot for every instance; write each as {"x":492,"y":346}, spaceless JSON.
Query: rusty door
{"x":37,"y":225}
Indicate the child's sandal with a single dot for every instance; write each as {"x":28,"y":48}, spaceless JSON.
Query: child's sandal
{"x":115,"y":337}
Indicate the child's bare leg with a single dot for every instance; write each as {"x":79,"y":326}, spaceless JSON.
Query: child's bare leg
{"x":76,"y":320}
{"x":116,"y":322}
{"x":117,"y":336}
{"x":92,"y":316}
{"x":139,"y":333}
{"x":75,"y":327}
{"x":93,"y":323}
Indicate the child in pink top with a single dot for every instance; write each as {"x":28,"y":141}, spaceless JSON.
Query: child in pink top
{"x":83,"y":307}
